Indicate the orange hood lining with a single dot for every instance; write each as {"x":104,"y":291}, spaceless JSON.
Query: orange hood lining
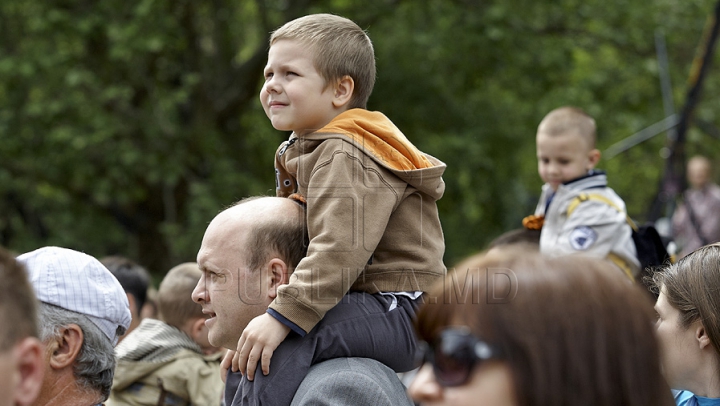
{"x":379,"y":137}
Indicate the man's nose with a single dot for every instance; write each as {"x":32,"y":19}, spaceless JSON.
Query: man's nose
{"x":199,"y":294}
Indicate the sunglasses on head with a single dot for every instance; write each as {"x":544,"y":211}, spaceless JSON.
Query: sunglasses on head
{"x":454,"y":355}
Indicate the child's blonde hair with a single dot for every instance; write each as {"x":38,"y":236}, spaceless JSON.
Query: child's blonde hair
{"x":569,"y":120}
{"x":174,"y":300}
{"x":340,"y":47}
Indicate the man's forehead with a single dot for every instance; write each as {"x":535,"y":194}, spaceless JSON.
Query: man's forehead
{"x":247,"y":216}
{"x":232,"y":221}
{"x":229,"y":230}
{"x":226,"y":235}
{"x":221,"y":241}
{"x":203,"y":258}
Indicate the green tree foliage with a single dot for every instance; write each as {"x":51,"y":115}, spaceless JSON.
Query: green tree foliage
{"x":125,"y":126}
{"x":470,"y":81}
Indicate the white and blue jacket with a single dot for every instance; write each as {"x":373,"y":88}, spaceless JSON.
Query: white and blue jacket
{"x":594,"y":228}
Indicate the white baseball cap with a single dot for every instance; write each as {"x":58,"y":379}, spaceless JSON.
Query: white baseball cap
{"x":78,"y":282}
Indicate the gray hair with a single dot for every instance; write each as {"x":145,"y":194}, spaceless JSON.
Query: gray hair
{"x":95,"y":365}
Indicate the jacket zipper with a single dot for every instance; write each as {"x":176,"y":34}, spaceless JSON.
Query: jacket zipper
{"x":286,"y":146}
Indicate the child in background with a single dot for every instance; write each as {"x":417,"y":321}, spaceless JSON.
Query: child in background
{"x":171,"y":358}
{"x":135,"y":280}
{"x":370,"y":197}
{"x":578,"y":212}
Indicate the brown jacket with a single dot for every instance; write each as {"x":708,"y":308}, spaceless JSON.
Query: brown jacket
{"x":371,"y":214}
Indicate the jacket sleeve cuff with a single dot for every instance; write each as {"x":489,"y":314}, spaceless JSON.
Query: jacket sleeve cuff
{"x":297,"y":312}
{"x":279,"y":317}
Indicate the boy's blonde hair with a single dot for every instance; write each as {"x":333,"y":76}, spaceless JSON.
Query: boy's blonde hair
{"x":569,"y":120}
{"x":340,"y":47}
{"x":174,"y":297}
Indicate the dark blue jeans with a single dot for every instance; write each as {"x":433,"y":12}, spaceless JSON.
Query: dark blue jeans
{"x":359,"y":326}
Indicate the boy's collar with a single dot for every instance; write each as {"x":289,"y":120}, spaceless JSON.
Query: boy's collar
{"x":591,"y":173}
{"x":594,"y":179}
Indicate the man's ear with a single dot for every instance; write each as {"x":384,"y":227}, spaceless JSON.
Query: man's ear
{"x":344,"y":89}
{"x":30,"y":366}
{"x":702,"y":338}
{"x":593,"y":158}
{"x":277,"y":276}
{"x":64,"y":348}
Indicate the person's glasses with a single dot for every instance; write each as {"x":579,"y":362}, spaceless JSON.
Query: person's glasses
{"x":454,"y":355}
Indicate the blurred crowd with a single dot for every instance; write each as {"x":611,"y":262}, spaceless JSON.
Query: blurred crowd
{"x":548,"y":330}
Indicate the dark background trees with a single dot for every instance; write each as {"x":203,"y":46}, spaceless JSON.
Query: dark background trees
{"x":125,"y":126}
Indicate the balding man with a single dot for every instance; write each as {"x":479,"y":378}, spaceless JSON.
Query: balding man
{"x":248,"y":251}
{"x":83,"y":311}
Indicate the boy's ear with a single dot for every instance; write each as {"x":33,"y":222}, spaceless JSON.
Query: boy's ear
{"x":344,"y":89}
{"x":197,"y":328}
{"x":277,"y":276}
{"x":593,"y":158}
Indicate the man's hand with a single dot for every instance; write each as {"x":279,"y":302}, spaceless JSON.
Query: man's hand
{"x":258,"y":342}
{"x":226,"y":363}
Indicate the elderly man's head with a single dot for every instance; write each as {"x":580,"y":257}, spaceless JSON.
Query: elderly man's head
{"x":247,"y":252}
{"x":21,"y":366}
{"x":83,"y":310}
{"x":699,"y":172}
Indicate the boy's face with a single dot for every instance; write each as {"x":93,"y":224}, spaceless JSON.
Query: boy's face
{"x":295,"y":97}
{"x":562,"y":158}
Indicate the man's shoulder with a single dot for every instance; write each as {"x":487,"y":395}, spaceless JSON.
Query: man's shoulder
{"x":594,"y":203}
{"x":351,"y":381}
{"x":714,"y":191}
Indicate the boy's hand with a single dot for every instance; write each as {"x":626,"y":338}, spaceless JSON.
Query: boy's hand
{"x":258,"y":342}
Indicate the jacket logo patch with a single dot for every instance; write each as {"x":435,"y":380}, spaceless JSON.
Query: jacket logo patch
{"x":582,"y":237}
